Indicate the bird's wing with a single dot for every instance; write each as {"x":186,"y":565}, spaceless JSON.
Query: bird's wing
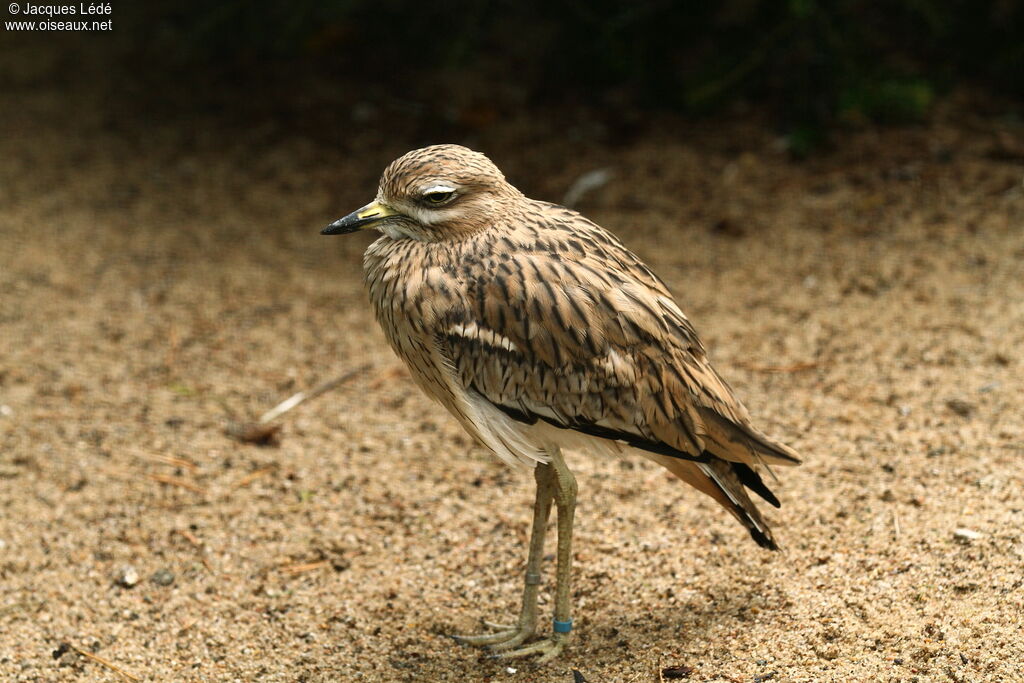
{"x":575,"y":330}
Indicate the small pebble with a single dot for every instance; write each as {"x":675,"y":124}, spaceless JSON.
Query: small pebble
{"x":961,"y":407}
{"x":127,"y":576}
{"x":511,"y":669}
{"x":163,"y":577}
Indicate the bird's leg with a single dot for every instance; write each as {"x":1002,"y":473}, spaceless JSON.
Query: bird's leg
{"x":565,"y":501}
{"x":511,"y":636}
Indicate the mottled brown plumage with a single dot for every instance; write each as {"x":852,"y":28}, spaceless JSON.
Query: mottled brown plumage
{"x":539,"y":330}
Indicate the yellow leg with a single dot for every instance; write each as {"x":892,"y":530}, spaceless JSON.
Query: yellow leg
{"x":510,"y":636}
{"x":565,"y":489}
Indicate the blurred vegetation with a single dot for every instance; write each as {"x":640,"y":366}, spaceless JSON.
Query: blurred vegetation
{"x":813,"y":62}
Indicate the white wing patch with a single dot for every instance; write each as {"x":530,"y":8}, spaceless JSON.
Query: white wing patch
{"x":670,"y":305}
{"x":484,"y":336}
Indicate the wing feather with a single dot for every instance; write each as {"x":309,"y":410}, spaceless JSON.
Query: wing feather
{"x":596,"y":344}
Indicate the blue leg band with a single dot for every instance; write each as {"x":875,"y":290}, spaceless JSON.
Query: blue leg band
{"x":562,"y":626}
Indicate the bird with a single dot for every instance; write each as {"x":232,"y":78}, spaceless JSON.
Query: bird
{"x":541,"y":333}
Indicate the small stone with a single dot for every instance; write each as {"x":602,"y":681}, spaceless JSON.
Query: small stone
{"x":510,"y":669}
{"x":127,"y":576}
{"x":163,"y":577}
{"x":728,"y":228}
{"x":961,"y":407}
{"x":967,"y":535}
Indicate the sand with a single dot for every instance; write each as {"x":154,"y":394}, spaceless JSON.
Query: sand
{"x":162,"y":279}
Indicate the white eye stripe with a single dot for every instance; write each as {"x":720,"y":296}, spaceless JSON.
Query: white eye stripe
{"x":438,"y":188}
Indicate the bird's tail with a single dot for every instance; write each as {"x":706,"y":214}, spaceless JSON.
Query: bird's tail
{"x":727,"y":482}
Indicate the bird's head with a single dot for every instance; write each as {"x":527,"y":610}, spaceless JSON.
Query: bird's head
{"x":435,"y":193}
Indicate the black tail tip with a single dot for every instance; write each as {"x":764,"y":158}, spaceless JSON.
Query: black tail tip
{"x":763,"y":539}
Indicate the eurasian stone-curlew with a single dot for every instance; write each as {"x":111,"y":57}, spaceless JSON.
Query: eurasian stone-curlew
{"x":538,"y":330}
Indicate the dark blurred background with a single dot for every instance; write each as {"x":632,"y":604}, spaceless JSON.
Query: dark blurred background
{"x":812,"y":68}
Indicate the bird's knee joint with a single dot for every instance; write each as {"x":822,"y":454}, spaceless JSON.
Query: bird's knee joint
{"x":565,"y":498}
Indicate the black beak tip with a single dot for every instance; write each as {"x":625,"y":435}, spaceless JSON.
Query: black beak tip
{"x":350,"y":223}
{"x":340,"y":227}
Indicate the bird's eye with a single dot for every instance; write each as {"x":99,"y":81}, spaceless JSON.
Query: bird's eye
{"x":438,"y":196}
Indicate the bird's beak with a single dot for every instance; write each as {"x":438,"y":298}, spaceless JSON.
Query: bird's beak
{"x":359,"y":219}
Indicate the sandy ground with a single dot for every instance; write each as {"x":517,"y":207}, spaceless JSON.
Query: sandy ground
{"x":160,"y":279}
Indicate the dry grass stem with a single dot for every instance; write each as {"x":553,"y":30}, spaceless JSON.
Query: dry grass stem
{"x":295,"y":400}
{"x":295,"y":569}
{"x":168,"y":460}
{"x":176,"y":481}
{"x":105,"y":662}
{"x":252,"y":476}
{"x":189,"y":536}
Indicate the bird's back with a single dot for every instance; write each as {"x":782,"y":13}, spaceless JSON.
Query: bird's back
{"x":545,"y":325}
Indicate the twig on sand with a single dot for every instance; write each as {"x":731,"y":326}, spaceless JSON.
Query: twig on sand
{"x":263,"y":433}
{"x":190,"y":537}
{"x":252,"y":476}
{"x":295,"y":569}
{"x":107,"y":663}
{"x":176,"y":481}
{"x":778,"y":369}
{"x":297,"y":399}
{"x":168,"y":460}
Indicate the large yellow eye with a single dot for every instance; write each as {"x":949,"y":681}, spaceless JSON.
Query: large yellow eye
{"x":438,"y":196}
